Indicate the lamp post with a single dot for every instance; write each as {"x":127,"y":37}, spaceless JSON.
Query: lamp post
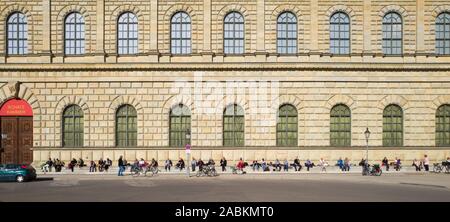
{"x":188,"y":151}
{"x":367,"y":134}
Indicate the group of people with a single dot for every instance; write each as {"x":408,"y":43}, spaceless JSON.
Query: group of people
{"x":200,"y":164}
{"x":343,"y":164}
{"x":422,"y":164}
{"x":100,"y":166}
{"x":277,"y":165}
{"x":180,"y":164}
{"x":55,"y":163}
{"x":58,"y":165}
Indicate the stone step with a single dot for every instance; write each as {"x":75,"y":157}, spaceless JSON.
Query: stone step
{"x":249,"y":170}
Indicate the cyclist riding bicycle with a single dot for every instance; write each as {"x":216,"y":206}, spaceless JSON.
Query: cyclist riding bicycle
{"x":154,"y":163}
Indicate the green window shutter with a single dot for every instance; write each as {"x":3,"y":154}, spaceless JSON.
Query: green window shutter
{"x":443,"y":125}
{"x":126,"y":126}
{"x":233,"y":126}
{"x":180,"y":124}
{"x":392,"y":126}
{"x":340,"y":126}
{"x":72,"y":129}
{"x":287,"y":126}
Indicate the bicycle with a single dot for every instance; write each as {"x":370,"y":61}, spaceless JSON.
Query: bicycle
{"x":369,"y":170}
{"x":207,"y":171}
{"x":235,"y":170}
{"x":144,"y":170}
{"x":437,"y":167}
{"x":154,"y":170}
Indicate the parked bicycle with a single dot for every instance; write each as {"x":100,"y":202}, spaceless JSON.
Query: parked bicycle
{"x":374,"y":170}
{"x":144,"y":170}
{"x":236,"y":170}
{"x":445,"y":166}
{"x":208,"y":170}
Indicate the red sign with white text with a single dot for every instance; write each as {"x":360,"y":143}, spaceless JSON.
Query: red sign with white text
{"x":16,"y":107}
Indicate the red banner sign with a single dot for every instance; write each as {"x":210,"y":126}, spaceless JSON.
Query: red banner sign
{"x":16,"y":107}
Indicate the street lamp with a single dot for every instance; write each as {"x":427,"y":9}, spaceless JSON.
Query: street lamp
{"x":367,"y":134}
{"x":188,"y":150}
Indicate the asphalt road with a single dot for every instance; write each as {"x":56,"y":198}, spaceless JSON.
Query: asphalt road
{"x":253,"y":188}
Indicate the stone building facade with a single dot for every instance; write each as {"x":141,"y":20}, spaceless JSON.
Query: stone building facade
{"x":207,"y":80}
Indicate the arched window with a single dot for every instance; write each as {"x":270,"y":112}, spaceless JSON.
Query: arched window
{"x":339,"y":33}
{"x":17,"y":30}
{"x":233,"y":33}
{"x":126,"y":126}
{"x":443,"y":34}
{"x":233,"y":126}
{"x":340,"y":126}
{"x":180,"y":33}
{"x":443,"y":125}
{"x":180,"y":125}
{"x":287,"y":126}
{"x":72,"y":131}
{"x":127,"y":34}
{"x":287,"y":33}
{"x":392,"y":34}
{"x":392,"y":126}
{"x":74,"y":34}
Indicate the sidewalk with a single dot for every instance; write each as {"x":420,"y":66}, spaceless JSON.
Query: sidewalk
{"x":249,"y":170}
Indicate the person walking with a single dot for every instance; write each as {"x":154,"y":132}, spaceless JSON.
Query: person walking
{"x":426,"y":163}
{"x":193,"y":164}
{"x":385,"y":162}
{"x":121,"y":166}
{"x":223,"y":164}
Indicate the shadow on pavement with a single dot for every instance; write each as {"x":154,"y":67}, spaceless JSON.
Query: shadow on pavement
{"x":43,"y":179}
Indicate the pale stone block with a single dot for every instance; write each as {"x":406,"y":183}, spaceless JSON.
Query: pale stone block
{"x":217,"y":155}
{"x":249,"y":155}
{"x":65,"y":156}
{"x":206,"y":155}
{"x":150,"y":154}
{"x":55,"y":154}
{"x":108,"y":154}
{"x":87,"y":156}
{"x":130,"y":155}
{"x":76,"y":154}
{"x":174,"y":155}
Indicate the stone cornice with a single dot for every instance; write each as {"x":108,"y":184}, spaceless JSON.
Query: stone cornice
{"x":315,"y":148}
{"x":249,"y":66}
